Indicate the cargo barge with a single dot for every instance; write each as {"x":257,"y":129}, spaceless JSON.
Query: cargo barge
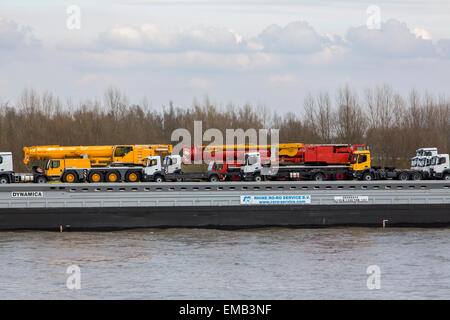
{"x":230,"y":205}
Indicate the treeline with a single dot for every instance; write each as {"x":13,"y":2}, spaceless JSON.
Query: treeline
{"x":394,"y":126}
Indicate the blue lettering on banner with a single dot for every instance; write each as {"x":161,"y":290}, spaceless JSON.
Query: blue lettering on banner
{"x":276,"y":199}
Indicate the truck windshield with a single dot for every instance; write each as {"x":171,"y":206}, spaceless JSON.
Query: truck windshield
{"x":422,"y":163}
{"x":433,"y":161}
{"x":414,"y":162}
{"x":150,"y":162}
{"x":362,"y":158}
{"x":210,"y":166}
{"x":251,"y":160}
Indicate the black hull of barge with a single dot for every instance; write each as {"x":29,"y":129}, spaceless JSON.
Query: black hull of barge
{"x":225,"y":217}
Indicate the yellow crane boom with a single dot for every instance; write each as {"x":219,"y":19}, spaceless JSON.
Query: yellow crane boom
{"x":98,"y":155}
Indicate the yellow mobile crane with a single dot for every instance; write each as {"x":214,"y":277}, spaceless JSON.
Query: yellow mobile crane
{"x":94,"y":163}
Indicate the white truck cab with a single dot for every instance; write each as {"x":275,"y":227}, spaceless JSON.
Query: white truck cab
{"x":172,"y":164}
{"x":415,"y":163}
{"x":426,"y":152}
{"x":440,"y":166}
{"x":155,"y":171}
{"x":252,"y":162}
{"x":152,"y":165}
{"x":424,"y":156}
{"x":6,"y":162}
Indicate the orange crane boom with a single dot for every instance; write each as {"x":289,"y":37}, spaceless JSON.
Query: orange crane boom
{"x":99,"y":155}
{"x":59,"y":152}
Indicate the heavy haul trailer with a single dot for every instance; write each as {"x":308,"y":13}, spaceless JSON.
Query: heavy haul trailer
{"x":254,"y":170}
{"x":312,"y":162}
{"x":320,"y":154}
{"x":94,"y":163}
{"x":359,"y":167}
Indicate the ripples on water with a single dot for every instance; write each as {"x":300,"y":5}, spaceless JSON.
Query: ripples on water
{"x":214,"y":264}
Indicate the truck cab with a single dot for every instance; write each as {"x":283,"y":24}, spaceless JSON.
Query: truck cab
{"x":361,"y":165}
{"x":6,"y":167}
{"x":136,"y":155}
{"x":426,"y":152}
{"x":424,"y":156}
{"x":172,"y":164}
{"x":152,"y":169}
{"x":425,"y":166}
{"x":55,"y":169}
{"x":251,"y":169}
{"x":6,"y":162}
{"x":415,"y":163}
{"x":360,"y":161}
{"x":252,"y":163}
{"x":440,"y":166}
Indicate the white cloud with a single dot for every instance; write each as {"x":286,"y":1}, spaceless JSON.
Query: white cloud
{"x":170,"y":63}
{"x":13,"y":36}
{"x":296,"y":37}
{"x":422,"y":33}
{"x":149,"y":37}
{"x":394,"y":39}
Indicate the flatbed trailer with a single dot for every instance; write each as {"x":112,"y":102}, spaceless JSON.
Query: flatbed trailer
{"x":301,"y":172}
{"x":389,"y":173}
{"x":253,"y":169}
{"x":211,"y":176}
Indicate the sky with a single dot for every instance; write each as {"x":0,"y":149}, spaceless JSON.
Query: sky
{"x":262,"y":52}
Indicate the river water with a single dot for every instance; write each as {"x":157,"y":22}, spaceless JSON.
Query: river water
{"x":214,"y":264}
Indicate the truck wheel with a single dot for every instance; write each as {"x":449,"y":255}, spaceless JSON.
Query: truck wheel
{"x":70,"y":177}
{"x":41,"y":179}
{"x":416,"y":176}
{"x":133,"y":176}
{"x":112,"y":176}
{"x":257,"y":178}
{"x":159,"y":179}
{"x":318,"y":177}
{"x":4,"y":180}
{"x":95,"y":176}
{"x":446,"y":176}
{"x":367,"y":177}
{"x":179,"y":179}
{"x":403,"y":176}
{"x":214,"y":178}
